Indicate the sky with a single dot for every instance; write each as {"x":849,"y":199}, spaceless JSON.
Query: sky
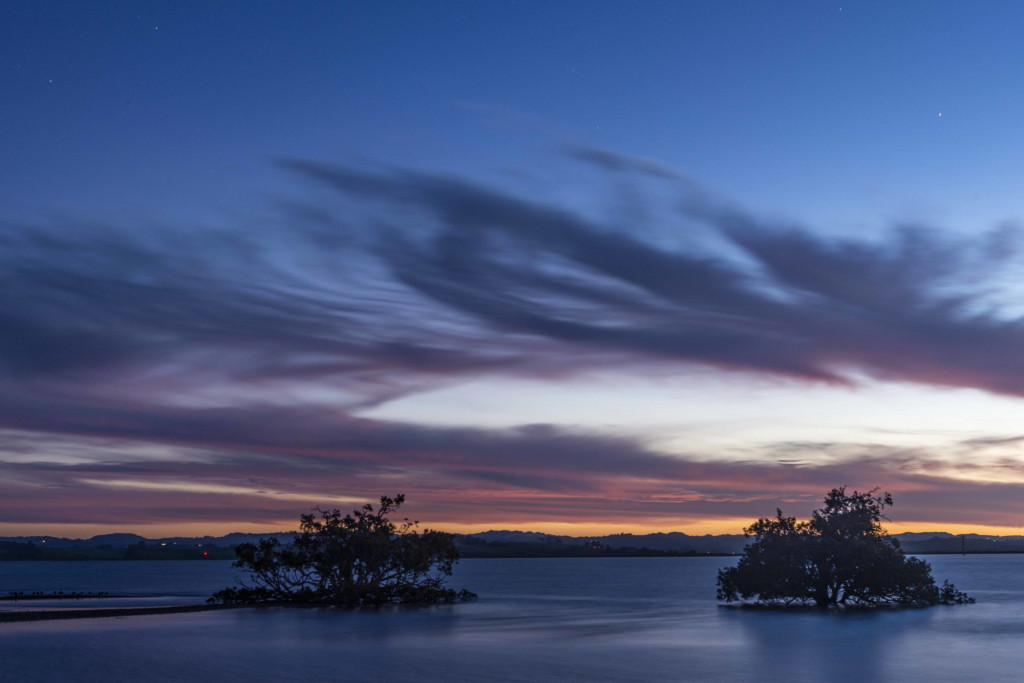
{"x":577,"y":267}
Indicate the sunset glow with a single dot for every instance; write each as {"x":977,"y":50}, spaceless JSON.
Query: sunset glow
{"x":639,"y":282}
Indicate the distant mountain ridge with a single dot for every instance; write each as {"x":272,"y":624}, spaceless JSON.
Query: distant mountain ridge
{"x":674,"y":542}
{"x":121,"y":540}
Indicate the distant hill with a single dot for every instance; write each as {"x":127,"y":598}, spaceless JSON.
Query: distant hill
{"x":116,"y":540}
{"x":941,"y":542}
{"x":497,"y":543}
{"x":531,"y":543}
{"x":124,"y":540}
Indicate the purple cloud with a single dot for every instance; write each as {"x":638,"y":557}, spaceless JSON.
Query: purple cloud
{"x":255,"y":346}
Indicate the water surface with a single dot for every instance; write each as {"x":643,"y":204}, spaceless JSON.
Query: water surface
{"x":591,"y":619}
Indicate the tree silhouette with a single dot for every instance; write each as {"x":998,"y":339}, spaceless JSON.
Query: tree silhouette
{"x":362,"y":558}
{"x":841,"y":556}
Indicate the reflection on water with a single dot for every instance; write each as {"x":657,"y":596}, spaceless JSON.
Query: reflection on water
{"x":614,"y":619}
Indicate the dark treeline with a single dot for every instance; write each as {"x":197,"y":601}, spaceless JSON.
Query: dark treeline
{"x":13,"y":551}
{"x":470,"y":547}
{"x":487,"y":544}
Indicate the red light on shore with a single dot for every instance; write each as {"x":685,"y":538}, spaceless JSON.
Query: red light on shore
{"x":205,"y":553}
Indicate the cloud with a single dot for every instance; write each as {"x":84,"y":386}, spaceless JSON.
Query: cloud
{"x":609,"y":160}
{"x":235,"y":359}
{"x":903,"y":308}
{"x":437,"y":278}
{"x":227,"y":474}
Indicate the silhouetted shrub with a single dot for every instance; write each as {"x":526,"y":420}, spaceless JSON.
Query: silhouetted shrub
{"x":842,"y":556}
{"x":357,"y":559}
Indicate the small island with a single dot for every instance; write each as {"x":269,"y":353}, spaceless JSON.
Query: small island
{"x":358,"y":559}
{"x":840,"y":557}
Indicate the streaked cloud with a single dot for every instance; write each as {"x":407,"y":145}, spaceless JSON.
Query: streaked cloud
{"x":145,"y":367}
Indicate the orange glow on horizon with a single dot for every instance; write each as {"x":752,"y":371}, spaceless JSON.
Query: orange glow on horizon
{"x":696,"y":528}
{"x":732,"y":525}
{"x":712,"y":526}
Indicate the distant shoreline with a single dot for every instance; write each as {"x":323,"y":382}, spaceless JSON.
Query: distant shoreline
{"x":496,"y":544}
{"x":517,"y":544}
{"x":512,"y":555}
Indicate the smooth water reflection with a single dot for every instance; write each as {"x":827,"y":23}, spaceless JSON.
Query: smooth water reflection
{"x":540,"y":619}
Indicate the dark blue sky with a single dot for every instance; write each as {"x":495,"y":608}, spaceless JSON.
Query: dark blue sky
{"x":574,"y":261}
{"x":804,"y":107}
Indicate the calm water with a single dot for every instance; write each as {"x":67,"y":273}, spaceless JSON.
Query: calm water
{"x":538,"y":619}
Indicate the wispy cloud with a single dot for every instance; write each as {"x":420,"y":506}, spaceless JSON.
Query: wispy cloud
{"x":526,"y":475}
{"x":255,"y":345}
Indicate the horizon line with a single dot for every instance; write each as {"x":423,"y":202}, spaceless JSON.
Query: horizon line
{"x":84,"y":532}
